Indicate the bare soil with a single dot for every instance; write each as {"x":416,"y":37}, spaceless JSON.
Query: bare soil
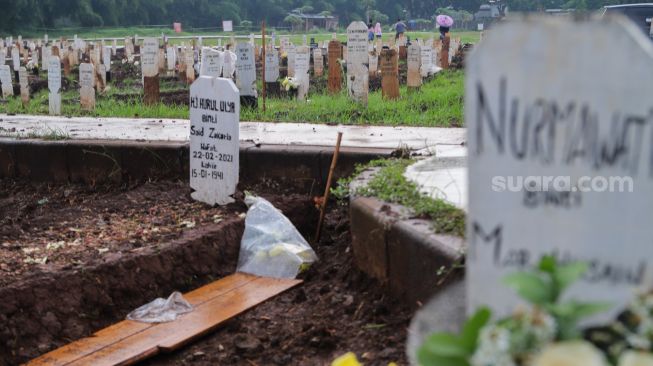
{"x":338,"y":309}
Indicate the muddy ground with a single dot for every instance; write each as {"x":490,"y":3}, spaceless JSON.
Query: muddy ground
{"x":338,"y":309}
{"x":86,"y":232}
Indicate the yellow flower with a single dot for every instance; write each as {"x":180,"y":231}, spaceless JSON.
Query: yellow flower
{"x":574,"y":353}
{"x":633,"y":358}
{"x":348,"y":359}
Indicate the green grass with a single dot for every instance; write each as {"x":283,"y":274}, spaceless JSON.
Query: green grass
{"x":390,"y":185}
{"x":438,"y":103}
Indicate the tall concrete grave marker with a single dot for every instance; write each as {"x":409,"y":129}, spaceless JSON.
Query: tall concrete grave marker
{"x":534,"y":112}
{"x":414,"y":61}
{"x":271,"y":66}
{"x":246,"y":70}
{"x":24,"y":85}
{"x":6,"y":81}
{"x":426,"y":65}
{"x":214,"y":144}
{"x":302,"y":65}
{"x":87,"y":84}
{"x":54,"y":85}
{"x":171,"y":59}
{"x":212,"y":61}
{"x":150,"y":69}
{"x":357,"y":62}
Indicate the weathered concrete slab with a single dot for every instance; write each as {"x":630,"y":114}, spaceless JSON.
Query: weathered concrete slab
{"x":151,"y":130}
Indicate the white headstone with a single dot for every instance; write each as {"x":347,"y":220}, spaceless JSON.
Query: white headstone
{"x":86,"y":75}
{"x":15,"y":58}
{"x":229,"y":65}
{"x":3,"y":56}
{"x":414,"y":61}
{"x":302,"y":65}
{"x":214,"y":139}
{"x":246,"y":69}
{"x":560,"y":157}
{"x":106,"y":57}
{"x":427,"y":60}
{"x":47,"y":52}
{"x":54,"y":84}
{"x":6,"y":81}
{"x":150,"y":57}
{"x":171,"y":58}
{"x":271,"y":66}
{"x":373,"y":62}
{"x":212,"y":61}
{"x":357,"y":62}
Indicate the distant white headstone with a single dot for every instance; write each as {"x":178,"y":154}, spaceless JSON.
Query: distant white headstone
{"x":87,"y":86}
{"x":15,"y":58}
{"x":171,"y":58}
{"x":414,"y":61}
{"x":3,"y":56}
{"x":54,"y":84}
{"x":149,"y":57}
{"x":357,"y":62}
{"x":560,"y":157}
{"x":271,"y":66}
{"x":47,"y":52}
{"x":212,"y":61}
{"x":6,"y":81}
{"x":246,"y":69}
{"x":214,"y":139}
{"x":427,"y":60}
{"x":106,"y":57}
{"x":302,"y":65}
{"x":229,"y":65}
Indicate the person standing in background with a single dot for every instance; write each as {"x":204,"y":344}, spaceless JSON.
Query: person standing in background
{"x":370,"y":32}
{"x":378,"y":31}
{"x":400,"y":28}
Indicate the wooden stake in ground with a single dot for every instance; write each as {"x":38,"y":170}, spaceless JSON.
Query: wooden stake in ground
{"x":390,"y":75}
{"x":444,"y":55}
{"x":327,"y":190}
{"x":335,"y":71}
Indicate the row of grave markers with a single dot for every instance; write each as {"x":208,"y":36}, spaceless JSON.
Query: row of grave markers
{"x":364,"y":59}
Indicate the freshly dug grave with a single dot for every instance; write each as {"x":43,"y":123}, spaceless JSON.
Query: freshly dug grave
{"x":94,"y":254}
{"x":337,"y":309}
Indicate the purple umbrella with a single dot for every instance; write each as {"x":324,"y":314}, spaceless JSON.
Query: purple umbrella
{"x":444,"y":20}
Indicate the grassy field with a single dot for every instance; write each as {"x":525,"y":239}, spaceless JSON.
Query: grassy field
{"x":296,"y":38}
{"x":438,"y":103}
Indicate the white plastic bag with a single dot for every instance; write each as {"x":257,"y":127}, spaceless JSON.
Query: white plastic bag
{"x":271,"y":245}
{"x":162,"y":310}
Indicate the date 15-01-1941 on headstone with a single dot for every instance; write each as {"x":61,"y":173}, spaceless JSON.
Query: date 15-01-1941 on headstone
{"x":214,"y":146}
{"x":560,"y":158}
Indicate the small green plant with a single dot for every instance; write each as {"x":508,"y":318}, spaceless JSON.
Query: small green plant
{"x":529,"y":333}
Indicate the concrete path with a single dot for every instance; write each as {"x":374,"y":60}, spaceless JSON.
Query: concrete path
{"x":150,"y":130}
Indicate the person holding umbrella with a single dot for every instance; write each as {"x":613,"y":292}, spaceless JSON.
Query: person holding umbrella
{"x":444,"y":22}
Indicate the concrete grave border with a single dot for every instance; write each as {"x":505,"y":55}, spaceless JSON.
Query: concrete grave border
{"x":400,"y":251}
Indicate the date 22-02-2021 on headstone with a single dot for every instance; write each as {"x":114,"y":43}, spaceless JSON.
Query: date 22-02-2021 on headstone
{"x":214,"y":139}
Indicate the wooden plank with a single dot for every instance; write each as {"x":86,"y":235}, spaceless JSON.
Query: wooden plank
{"x":171,"y":336}
{"x":125,"y":329}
